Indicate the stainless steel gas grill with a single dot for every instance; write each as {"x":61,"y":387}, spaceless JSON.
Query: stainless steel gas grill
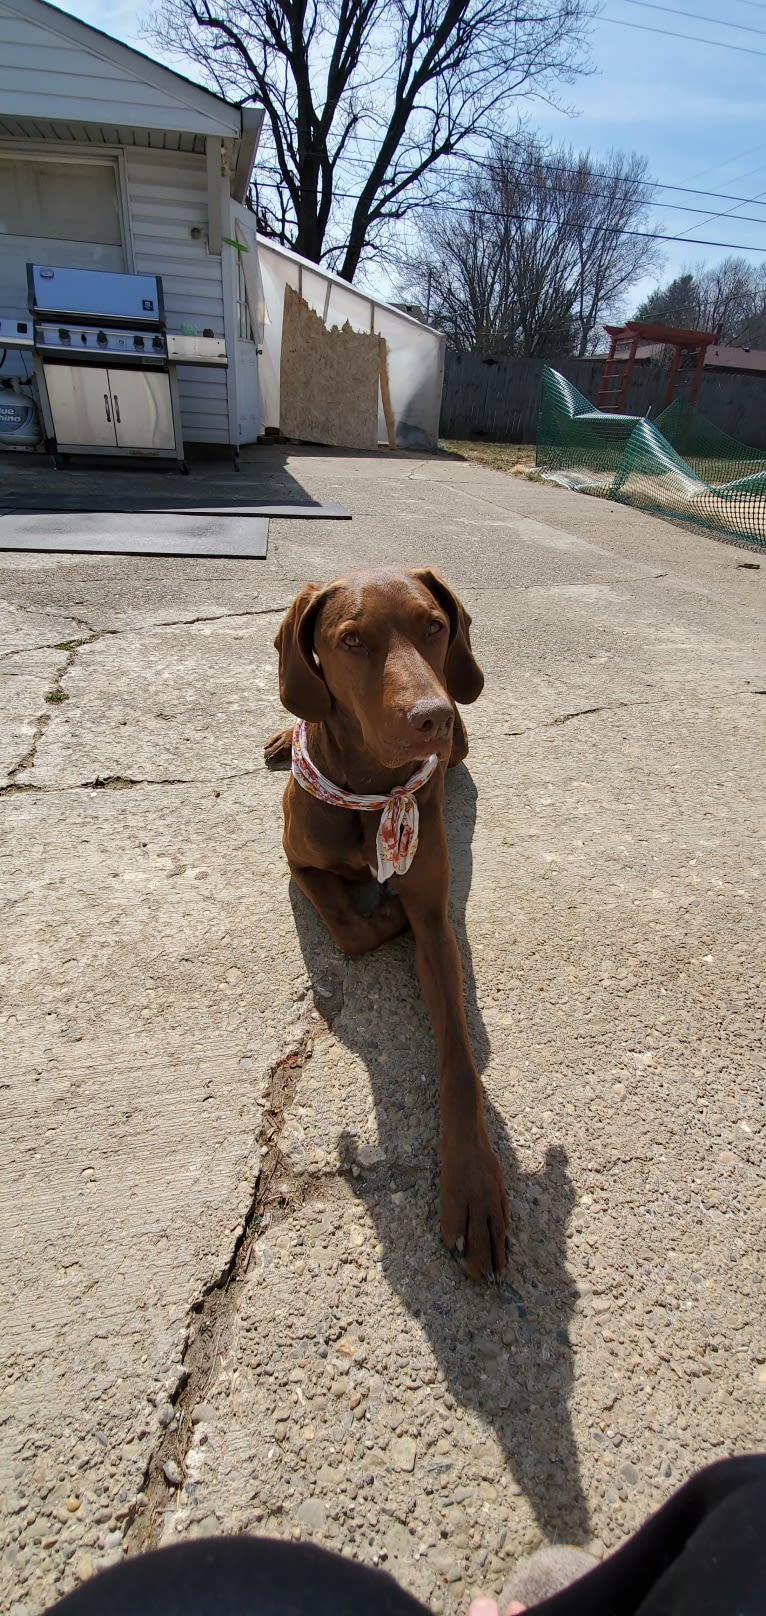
{"x":105,"y":366}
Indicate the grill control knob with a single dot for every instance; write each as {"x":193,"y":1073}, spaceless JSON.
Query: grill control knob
{"x":64,"y":335}
{"x":138,"y":342}
{"x":83,"y":336}
{"x":157,"y":342}
{"x":102,"y":339}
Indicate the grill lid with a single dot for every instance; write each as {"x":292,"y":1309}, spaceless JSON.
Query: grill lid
{"x":95,"y":294}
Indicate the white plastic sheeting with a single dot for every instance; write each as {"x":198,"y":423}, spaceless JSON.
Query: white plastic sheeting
{"x":415,"y":351}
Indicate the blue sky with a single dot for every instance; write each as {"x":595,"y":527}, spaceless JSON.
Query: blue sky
{"x":697,"y":111}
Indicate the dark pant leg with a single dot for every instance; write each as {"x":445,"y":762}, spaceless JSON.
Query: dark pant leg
{"x":239,"y":1576}
{"x":702,"y":1554}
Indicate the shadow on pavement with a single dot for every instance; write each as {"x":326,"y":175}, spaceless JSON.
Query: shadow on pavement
{"x":30,"y":485}
{"x":504,"y":1349}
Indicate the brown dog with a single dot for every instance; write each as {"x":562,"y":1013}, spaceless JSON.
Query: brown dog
{"x":374,"y":664}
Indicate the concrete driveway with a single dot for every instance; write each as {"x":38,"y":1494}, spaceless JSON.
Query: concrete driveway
{"x":225,"y":1303}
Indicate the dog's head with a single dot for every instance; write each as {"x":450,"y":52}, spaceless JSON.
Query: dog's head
{"x":388,"y":650}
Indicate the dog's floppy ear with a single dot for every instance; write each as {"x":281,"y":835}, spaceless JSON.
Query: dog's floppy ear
{"x":302,"y":688}
{"x":465,"y":680}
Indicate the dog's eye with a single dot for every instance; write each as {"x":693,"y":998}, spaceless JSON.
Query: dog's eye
{"x":352,"y":640}
{"x":435,"y":627}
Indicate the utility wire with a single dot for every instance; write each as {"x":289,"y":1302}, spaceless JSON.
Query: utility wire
{"x":696,"y":16}
{"x":715,"y":168}
{"x":530,"y":218}
{"x":709,"y":220}
{"x":563,"y":168}
{"x":696,"y":39}
{"x":601,"y":196}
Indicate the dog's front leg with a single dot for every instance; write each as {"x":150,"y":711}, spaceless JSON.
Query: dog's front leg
{"x":331,"y":897}
{"x":474,"y":1206}
{"x":278,"y":751}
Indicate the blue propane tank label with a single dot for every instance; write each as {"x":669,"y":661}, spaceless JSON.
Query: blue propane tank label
{"x":14,"y":415}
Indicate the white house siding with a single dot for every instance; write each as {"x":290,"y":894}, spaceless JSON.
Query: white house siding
{"x":100,"y":134}
{"x":47,"y":72}
{"x":167,"y":193}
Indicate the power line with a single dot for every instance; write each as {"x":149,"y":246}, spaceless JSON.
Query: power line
{"x":750,"y":174}
{"x":696,"y":16}
{"x":563,"y":168}
{"x":696,"y":39}
{"x":714,"y":168}
{"x":724,"y":215}
{"x":600,"y":196}
{"x":529,"y":218}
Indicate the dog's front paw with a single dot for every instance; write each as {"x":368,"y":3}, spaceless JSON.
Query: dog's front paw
{"x":474,"y":1209}
{"x":278,"y":751}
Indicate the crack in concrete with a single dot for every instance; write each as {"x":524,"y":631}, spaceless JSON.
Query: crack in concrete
{"x":611,"y":707}
{"x":121,"y":782}
{"x":276,"y":1192}
{"x":580,"y":712}
{"x":118,"y":782}
{"x":94,"y":635}
{"x":54,"y":696}
{"x":215,"y":617}
{"x":585,"y":712}
{"x":60,"y":645}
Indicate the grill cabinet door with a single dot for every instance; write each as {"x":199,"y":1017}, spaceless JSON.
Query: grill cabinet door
{"x":143,"y":413}
{"x":81,"y":405}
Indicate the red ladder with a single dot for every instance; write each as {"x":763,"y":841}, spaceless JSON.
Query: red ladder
{"x":616,"y":375}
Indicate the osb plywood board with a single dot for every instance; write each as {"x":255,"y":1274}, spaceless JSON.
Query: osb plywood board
{"x":329,"y":379}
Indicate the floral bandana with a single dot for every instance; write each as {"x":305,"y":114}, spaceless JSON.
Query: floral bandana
{"x":397,"y":839}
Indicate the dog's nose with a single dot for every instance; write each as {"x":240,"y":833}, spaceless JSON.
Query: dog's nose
{"x":431,"y":718}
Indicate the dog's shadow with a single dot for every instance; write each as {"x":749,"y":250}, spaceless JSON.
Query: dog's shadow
{"x":503,"y":1349}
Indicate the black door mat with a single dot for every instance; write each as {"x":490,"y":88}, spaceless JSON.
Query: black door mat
{"x":159,"y":533}
{"x":331,"y":512}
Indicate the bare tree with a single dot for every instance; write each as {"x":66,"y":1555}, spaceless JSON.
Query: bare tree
{"x":614,"y":244}
{"x":539,"y":248}
{"x":752,"y":331}
{"x":729,"y":298}
{"x":365,"y":98}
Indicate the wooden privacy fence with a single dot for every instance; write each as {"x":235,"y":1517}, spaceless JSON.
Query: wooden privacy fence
{"x":499,"y":399}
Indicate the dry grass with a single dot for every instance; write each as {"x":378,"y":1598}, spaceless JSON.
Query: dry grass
{"x":500,"y":456}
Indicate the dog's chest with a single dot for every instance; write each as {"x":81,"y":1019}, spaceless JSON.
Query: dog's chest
{"x":340,"y":839}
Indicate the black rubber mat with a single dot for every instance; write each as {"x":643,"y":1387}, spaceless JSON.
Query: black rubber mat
{"x":170,"y":506}
{"x":156,"y":533}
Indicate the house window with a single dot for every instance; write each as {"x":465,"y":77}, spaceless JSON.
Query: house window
{"x":244,"y":322}
{"x":56,"y":212}
{"x":57,"y":201}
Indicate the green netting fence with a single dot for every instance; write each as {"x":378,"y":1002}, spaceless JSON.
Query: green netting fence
{"x":680,"y":465}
